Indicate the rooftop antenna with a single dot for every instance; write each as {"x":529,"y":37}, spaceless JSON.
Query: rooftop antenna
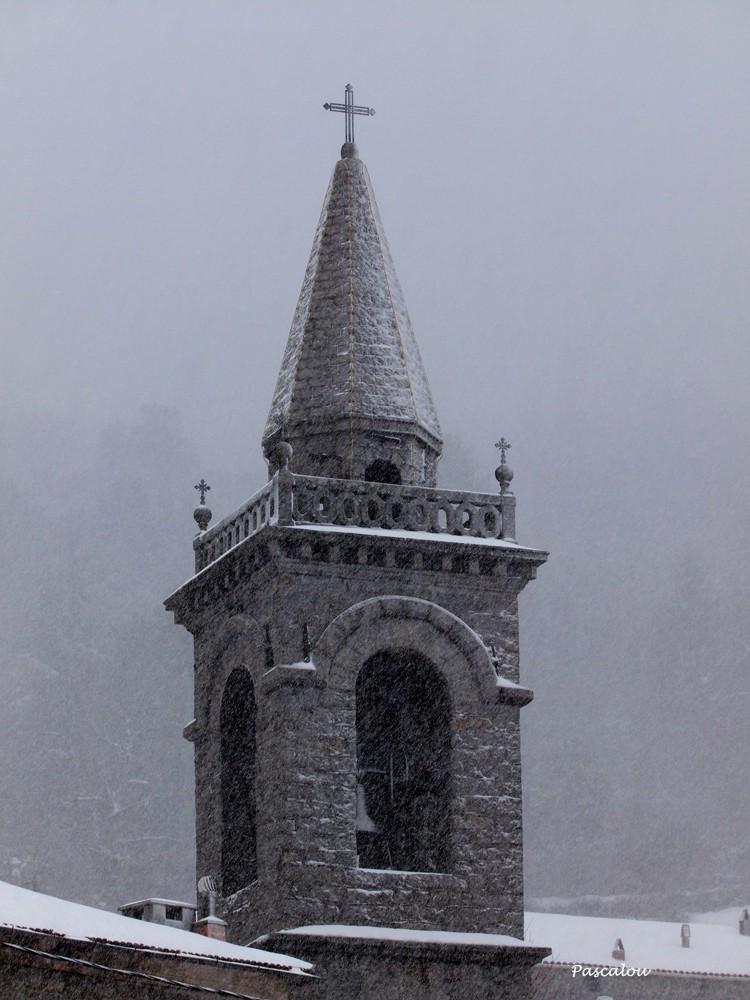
{"x":207,"y":887}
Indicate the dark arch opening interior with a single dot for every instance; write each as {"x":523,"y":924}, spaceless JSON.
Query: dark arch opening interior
{"x":403,"y":764}
{"x":381,"y":471}
{"x":238,"y":802}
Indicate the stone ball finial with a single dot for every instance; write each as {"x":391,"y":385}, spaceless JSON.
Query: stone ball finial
{"x":283,"y":454}
{"x":202,"y":515}
{"x":349,"y":151}
{"x":503,"y":473}
{"x":504,"y":476}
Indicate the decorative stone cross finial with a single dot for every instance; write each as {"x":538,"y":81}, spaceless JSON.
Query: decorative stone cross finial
{"x":350,"y":109}
{"x":503,"y":473}
{"x":204,"y":488}
{"x":201,"y":513}
{"x":504,"y":446}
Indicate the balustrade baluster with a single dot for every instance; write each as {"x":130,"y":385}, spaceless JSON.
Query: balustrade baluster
{"x":291,"y":499}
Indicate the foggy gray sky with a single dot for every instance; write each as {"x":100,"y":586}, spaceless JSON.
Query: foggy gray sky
{"x":564,"y":187}
{"x":565,"y":191}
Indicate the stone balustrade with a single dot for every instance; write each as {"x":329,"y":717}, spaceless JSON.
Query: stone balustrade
{"x":292,"y":499}
{"x":259,"y":510}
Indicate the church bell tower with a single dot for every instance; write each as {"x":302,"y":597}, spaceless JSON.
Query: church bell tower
{"x":357,"y":694}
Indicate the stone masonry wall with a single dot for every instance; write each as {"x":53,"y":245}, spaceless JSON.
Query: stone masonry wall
{"x":249,"y":609}
{"x":361,"y":969}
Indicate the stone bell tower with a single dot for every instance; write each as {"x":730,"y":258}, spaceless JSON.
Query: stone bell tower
{"x":357,"y":695}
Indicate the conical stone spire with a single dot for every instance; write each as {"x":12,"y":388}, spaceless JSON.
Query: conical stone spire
{"x":352,"y":396}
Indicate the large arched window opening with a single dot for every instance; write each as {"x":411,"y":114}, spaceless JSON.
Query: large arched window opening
{"x":403,"y":764}
{"x":239,"y":861}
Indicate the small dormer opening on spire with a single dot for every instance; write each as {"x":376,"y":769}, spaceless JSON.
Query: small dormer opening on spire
{"x":381,"y":471}
{"x":352,"y":394}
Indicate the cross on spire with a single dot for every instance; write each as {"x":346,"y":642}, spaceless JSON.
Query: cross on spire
{"x":350,"y":109}
{"x":204,"y":488}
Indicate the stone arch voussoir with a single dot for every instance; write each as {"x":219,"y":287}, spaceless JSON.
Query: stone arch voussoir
{"x":394,"y":622}
{"x":240,"y":644}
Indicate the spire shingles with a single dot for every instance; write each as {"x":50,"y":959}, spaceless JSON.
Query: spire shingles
{"x":352,"y":389}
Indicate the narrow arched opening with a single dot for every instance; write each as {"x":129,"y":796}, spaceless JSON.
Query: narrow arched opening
{"x":403,"y":764}
{"x":239,"y":859}
{"x":381,"y":471}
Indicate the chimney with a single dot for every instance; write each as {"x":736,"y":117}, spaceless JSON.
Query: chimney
{"x":210,"y":926}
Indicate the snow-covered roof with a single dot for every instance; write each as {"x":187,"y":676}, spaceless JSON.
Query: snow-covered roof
{"x":158,"y":901}
{"x":29,"y":910}
{"x":716,"y":947}
{"x":651,"y":944}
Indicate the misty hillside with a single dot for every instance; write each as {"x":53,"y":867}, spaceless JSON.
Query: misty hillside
{"x":634,"y":637}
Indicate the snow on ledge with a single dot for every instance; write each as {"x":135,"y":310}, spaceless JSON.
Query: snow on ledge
{"x":352,"y":529}
{"x":304,"y":665}
{"x":406,"y":934}
{"x":425,"y":536}
{"x":503,"y":682}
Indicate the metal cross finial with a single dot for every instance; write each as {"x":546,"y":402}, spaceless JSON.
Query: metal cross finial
{"x":504,"y":446}
{"x":204,"y":488}
{"x":350,"y":109}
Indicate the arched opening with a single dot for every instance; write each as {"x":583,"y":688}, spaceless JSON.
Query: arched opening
{"x":403,"y":764}
{"x":381,"y":471}
{"x":239,"y":861}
